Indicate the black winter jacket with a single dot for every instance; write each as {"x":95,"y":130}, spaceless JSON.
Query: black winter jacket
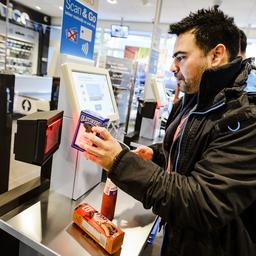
{"x":209,"y":199}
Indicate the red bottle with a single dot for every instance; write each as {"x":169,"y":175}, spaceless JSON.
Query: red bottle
{"x":109,"y":196}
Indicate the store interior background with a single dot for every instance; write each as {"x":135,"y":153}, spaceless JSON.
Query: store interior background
{"x":138,"y":15}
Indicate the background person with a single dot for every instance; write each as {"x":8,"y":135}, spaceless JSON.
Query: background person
{"x":251,"y":80}
{"x":207,"y":196}
{"x":243,"y":44}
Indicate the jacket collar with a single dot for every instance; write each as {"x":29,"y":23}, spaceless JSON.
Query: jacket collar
{"x":231,"y":76}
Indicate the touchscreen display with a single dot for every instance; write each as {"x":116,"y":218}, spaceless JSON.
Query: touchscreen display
{"x":92,"y":93}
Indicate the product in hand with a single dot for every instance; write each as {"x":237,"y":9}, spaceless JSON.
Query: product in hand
{"x":87,"y":120}
{"x":97,"y":226}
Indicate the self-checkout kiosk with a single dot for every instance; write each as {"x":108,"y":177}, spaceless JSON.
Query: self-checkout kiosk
{"x":151,"y":123}
{"x":83,"y":87}
{"x":149,"y":116}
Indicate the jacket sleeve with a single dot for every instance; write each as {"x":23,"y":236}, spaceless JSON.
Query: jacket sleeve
{"x":221,"y":185}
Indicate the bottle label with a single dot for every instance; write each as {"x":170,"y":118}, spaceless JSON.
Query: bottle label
{"x":110,"y":191}
{"x":110,"y":188}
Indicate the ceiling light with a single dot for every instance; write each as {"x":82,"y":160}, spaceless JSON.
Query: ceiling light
{"x":112,"y":1}
{"x":38,"y":7}
{"x":61,"y":8}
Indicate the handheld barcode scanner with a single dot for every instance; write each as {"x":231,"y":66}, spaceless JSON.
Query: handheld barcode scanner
{"x":38,"y":137}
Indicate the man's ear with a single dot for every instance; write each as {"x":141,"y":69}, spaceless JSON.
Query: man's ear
{"x":219,"y":55}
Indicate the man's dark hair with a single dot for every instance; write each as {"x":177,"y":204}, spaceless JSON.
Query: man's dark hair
{"x":243,"y":41}
{"x":211,"y":27}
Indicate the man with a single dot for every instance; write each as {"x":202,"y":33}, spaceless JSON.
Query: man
{"x":207,"y":195}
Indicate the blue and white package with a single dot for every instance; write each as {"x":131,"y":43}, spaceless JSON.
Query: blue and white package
{"x":87,"y":120}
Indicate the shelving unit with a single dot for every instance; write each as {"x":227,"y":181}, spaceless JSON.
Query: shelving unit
{"x":2,"y":53}
{"x":19,"y":55}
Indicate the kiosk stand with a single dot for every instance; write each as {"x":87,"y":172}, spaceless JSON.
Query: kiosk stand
{"x":83,"y":87}
{"x":149,"y":117}
{"x":144,"y":119}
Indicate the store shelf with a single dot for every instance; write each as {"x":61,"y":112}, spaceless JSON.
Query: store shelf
{"x":18,"y":49}
{"x":19,"y":53}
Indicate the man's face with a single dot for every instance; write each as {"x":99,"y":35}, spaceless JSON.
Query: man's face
{"x":189,"y":63}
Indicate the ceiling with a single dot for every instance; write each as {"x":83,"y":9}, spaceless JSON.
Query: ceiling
{"x":244,"y":11}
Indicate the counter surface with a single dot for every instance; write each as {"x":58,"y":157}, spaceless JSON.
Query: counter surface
{"x":46,"y":226}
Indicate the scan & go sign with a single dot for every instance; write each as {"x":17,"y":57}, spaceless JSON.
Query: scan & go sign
{"x":79,"y":28}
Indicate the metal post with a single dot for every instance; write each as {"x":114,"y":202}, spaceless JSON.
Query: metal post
{"x":155,"y":40}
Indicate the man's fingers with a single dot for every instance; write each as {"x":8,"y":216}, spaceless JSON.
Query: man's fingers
{"x":98,"y":159}
{"x":97,"y":152}
{"x":103,"y":132}
{"x":89,"y":156}
{"x":94,"y":139}
{"x":139,"y":151}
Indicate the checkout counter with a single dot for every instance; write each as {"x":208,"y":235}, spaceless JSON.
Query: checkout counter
{"x":45,"y":227}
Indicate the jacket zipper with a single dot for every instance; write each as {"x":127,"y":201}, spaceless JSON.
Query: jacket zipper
{"x":184,"y":126}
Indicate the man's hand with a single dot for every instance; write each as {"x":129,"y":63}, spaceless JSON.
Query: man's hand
{"x":101,"y":148}
{"x":144,"y":152}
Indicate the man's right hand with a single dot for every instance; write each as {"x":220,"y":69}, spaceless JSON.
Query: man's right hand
{"x":144,"y":152}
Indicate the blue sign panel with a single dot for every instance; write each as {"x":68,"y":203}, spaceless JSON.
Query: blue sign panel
{"x":78,"y":30}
